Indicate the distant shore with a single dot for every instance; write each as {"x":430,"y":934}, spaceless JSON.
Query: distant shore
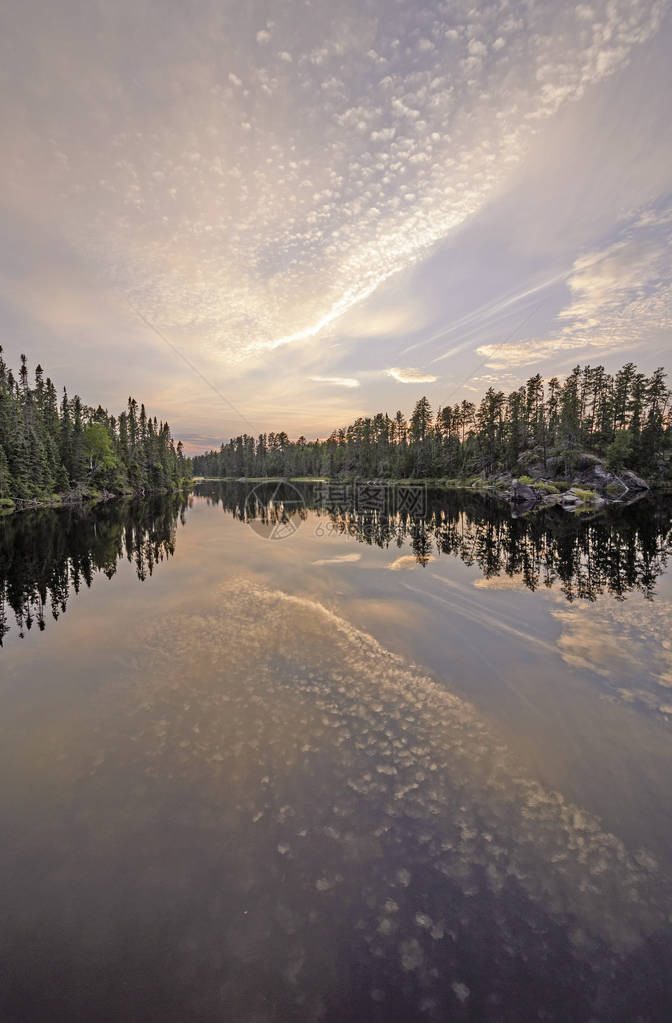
{"x":522,"y":492}
{"x":587,"y":491}
{"x":84,"y":496}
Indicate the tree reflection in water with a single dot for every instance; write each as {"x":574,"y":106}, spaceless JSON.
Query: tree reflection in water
{"x":621,"y":549}
{"x":45,"y":554}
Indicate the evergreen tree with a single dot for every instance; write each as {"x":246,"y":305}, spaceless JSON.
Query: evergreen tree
{"x":550,"y":425}
{"x":44,"y":449}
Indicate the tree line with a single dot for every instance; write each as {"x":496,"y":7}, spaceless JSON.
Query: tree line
{"x":625,"y":417}
{"x":50,"y":446}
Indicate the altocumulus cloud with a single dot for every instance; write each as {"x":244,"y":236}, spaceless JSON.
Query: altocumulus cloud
{"x":255,"y":178}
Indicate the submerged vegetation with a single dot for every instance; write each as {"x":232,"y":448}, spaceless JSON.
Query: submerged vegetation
{"x":550,"y":429}
{"x":50,"y":449}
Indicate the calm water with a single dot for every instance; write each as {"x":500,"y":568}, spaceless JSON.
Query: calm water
{"x":335,"y":762}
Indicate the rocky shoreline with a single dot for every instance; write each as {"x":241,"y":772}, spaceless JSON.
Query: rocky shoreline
{"x":589,"y":489}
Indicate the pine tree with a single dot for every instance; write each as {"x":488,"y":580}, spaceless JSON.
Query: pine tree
{"x":46,"y":449}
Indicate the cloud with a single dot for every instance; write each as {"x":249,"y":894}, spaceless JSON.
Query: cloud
{"x":342,"y":559}
{"x":626,"y":645}
{"x":500,"y":582}
{"x":248,"y":217}
{"x":620,"y":295}
{"x":408,"y":562}
{"x":410,"y":376}
{"x":337,"y":381}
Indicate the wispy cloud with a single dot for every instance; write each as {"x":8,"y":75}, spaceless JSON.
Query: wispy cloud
{"x":341,"y":559}
{"x":619,"y":295}
{"x":337,"y":381}
{"x":410,"y":376}
{"x":407,"y":563}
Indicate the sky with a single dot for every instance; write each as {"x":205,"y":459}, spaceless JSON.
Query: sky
{"x":261,"y":216}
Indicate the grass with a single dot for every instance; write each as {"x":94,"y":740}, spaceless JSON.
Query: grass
{"x":586,"y":495}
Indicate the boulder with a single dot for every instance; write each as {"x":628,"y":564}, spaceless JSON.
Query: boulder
{"x":555,"y":464}
{"x":570,"y":499}
{"x":532,"y":456}
{"x":595,"y":477}
{"x":632,"y":481}
{"x":585,"y":460}
{"x":523,"y":493}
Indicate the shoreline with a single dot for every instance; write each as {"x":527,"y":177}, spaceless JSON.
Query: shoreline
{"x":586,"y":492}
{"x":84,"y":497}
{"x":507,"y":490}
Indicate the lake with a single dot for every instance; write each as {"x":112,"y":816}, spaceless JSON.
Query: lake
{"x":295,"y":753}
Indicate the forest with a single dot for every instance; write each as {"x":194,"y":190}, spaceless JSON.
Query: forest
{"x":51,"y":447}
{"x":624,"y":418}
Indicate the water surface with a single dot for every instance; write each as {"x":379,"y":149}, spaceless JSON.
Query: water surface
{"x":319,"y":761}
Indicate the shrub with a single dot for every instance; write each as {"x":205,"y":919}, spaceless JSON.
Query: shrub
{"x":619,"y":451}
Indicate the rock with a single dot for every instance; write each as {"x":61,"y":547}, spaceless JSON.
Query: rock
{"x":533,"y":457}
{"x":632,"y":481}
{"x":570,"y":499}
{"x":555,"y":464}
{"x":595,"y":478}
{"x":523,"y":493}
{"x":587,"y":461}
